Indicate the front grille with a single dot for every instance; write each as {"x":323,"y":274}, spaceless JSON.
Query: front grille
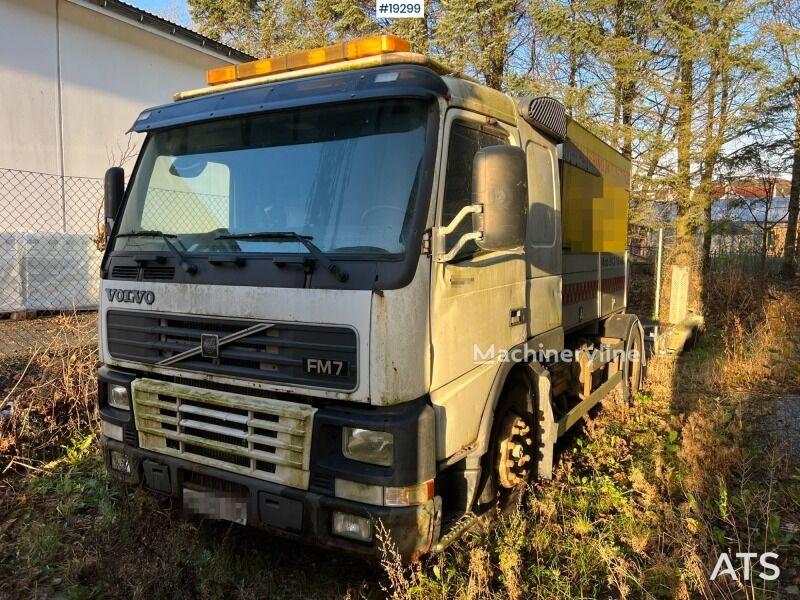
{"x":212,"y":483}
{"x":125,"y":272}
{"x":158,"y":273}
{"x":226,"y":387}
{"x":148,"y":273}
{"x":262,"y":438}
{"x":278,"y":352}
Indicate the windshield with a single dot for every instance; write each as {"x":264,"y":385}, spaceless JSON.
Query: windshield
{"x":343,"y":175}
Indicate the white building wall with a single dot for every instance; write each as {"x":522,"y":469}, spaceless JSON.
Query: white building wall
{"x":28,"y":86}
{"x":111,"y":70}
{"x":73,"y":77}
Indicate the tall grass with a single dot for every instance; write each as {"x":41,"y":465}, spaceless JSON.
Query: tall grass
{"x":648,"y":495}
{"x":644,"y":499}
{"x":50,"y":396}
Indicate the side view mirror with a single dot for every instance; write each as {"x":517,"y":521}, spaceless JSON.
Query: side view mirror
{"x":114,"y":190}
{"x":499,"y":206}
{"x":500,"y":186}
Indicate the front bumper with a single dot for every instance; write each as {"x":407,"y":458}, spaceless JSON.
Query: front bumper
{"x":281,"y":510}
{"x":300,"y":513}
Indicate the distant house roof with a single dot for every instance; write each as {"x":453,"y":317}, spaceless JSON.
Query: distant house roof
{"x":741,"y":200}
{"x":723,"y":210}
{"x":750,"y":189}
{"x":132,"y":13}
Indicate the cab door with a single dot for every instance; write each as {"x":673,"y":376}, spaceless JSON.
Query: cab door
{"x":477,"y":298}
{"x":543,"y":247}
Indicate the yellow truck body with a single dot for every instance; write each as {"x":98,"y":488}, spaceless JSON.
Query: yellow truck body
{"x":595,"y":193}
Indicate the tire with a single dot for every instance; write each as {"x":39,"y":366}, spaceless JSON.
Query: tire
{"x":517,"y":402}
{"x":633,"y":370}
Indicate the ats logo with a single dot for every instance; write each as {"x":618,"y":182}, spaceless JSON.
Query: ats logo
{"x":131,"y":296}
{"x":725,"y":566}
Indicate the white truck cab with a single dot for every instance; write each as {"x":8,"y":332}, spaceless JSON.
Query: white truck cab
{"x":346,"y":285}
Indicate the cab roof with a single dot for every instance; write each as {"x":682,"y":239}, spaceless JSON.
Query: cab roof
{"x":395,"y":75}
{"x":370,"y":67}
{"x":409,"y":81}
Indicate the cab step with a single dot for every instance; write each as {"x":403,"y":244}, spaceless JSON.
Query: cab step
{"x":454,"y":529}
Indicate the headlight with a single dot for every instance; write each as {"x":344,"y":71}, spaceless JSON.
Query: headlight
{"x":120,"y":462}
{"x":374,"y":447}
{"x":118,"y":397}
{"x":351,"y":526}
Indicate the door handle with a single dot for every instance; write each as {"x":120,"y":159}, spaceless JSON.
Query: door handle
{"x":517,"y":316}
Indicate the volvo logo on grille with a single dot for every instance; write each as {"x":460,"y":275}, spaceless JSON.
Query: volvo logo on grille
{"x":130,"y":296}
{"x":209,"y":345}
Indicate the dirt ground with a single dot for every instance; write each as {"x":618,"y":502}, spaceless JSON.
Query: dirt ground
{"x":782,"y":425}
{"x":19,"y":337}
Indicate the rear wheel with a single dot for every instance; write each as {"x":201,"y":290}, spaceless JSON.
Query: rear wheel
{"x":633,"y":369}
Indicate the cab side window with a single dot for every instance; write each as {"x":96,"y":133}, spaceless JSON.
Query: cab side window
{"x":542,"y":207}
{"x":465,"y":141}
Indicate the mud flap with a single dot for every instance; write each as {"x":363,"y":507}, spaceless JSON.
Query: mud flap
{"x":548,"y":428}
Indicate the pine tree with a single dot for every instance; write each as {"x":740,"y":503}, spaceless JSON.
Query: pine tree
{"x":275,"y":27}
{"x":783,"y":27}
{"x":667,"y":82}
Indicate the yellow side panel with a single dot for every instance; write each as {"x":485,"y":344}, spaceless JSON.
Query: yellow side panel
{"x":595,"y":193}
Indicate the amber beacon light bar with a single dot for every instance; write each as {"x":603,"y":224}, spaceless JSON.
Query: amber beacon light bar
{"x":361,"y":48}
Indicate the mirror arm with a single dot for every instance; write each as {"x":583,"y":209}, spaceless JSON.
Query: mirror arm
{"x":467,"y":210}
{"x":440,"y":233}
{"x":443,"y":258}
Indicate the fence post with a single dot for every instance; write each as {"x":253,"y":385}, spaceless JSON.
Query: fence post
{"x":657,"y":304}
{"x":63,"y":203}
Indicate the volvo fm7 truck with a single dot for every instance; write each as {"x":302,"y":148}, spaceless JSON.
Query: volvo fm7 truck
{"x":348,"y":286}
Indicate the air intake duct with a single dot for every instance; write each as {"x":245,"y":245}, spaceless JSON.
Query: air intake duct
{"x":547,"y":115}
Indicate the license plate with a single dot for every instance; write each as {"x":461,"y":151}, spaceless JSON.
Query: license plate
{"x":212,"y":504}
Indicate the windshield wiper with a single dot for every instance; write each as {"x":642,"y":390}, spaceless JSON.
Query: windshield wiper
{"x":184,"y":263}
{"x":286,"y":236}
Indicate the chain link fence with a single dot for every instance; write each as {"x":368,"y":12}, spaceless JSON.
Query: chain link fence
{"x":723,"y":260}
{"x":646,"y":249}
{"x":653,"y":266}
{"x":49,"y":259}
